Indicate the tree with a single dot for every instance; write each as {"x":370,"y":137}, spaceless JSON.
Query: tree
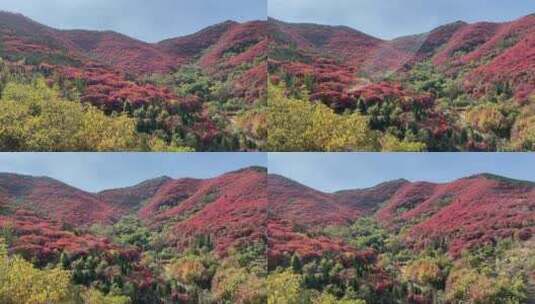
{"x":299,"y":125}
{"x":33,"y":118}
{"x":284,"y":288}
{"x":390,"y":143}
{"x":21,"y":283}
{"x":296,"y":263}
{"x":92,"y":296}
{"x":326,"y":298}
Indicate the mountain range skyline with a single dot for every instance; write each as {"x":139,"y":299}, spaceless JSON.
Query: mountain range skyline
{"x":96,"y":173}
{"x":159,"y":20}
{"x":391,"y":19}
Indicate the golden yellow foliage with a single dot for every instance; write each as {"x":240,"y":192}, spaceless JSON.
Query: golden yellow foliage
{"x":422,"y":272}
{"x":187,"y":270}
{"x":254,"y":124}
{"x":390,"y":143}
{"x":21,"y":283}
{"x":299,"y":125}
{"x":92,"y":296}
{"x":34,"y":118}
{"x":284,"y":288}
{"x":523,"y":131}
{"x":487,"y":118}
{"x":326,"y":298}
{"x":238,"y":285}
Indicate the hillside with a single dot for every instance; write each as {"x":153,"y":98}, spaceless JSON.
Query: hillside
{"x":460,"y":214}
{"x":253,"y":227}
{"x":432,"y":87}
{"x":406,"y":241}
{"x":22,"y":35}
{"x":54,"y":200}
{"x":198,"y":83}
{"x":148,"y":236}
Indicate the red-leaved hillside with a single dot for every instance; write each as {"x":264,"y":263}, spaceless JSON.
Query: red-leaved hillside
{"x":117,"y":59}
{"x":231,"y":209}
{"x":472,"y":211}
{"x":55,"y":200}
{"x":490,"y":53}
{"x":459,"y":215}
{"x":298,"y":213}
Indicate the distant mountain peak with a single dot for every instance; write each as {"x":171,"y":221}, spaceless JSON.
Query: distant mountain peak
{"x":500,"y":178}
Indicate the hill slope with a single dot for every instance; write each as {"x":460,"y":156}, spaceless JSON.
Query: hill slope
{"x":458,"y":215}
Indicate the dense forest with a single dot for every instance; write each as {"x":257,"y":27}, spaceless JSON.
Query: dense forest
{"x":242,"y":238}
{"x":276,"y":86}
{"x":460,"y":87}
{"x":201,"y":92}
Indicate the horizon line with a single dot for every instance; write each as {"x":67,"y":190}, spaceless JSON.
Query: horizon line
{"x":127,"y":35}
{"x":283,"y":20}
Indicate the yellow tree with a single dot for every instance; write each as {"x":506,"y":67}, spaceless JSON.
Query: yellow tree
{"x":21,"y":283}
{"x":34,"y":118}
{"x":299,"y":125}
{"x":284,"y":288}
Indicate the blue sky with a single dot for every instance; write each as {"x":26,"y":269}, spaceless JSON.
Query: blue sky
{"x":98,"y":171}
{"x":338,"y":171}
{"x":323,"y":171}
{"x":393,"y":18}
{"x":150,"y":21}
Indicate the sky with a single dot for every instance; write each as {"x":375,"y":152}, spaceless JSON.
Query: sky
{"x":331,"y":172}
{"x":150,"y":21}
{"x":98,"y":171}
{"x":388,"y":19}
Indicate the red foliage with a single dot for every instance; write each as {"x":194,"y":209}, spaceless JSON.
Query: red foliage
{"x":304,"y":207}
{"x":464,"y":213}
{"x":241,"y":43}
{"x":192,"y":45}
{"x":56,"y":200}
{"x":467,"y":39}
{"x":252,"y":84}
{"x":230,"y":208}
{"x":492,"y":53}
{"x":46,"y":239}
{"x":109,"y":90}
{"x":134,"y":196}
{"x":121,"y":52}
{"x":283,"y":241}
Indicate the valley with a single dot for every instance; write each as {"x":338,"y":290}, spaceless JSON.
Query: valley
{"x":460,"y":87}
{"x":249,"y":237}
{"x":204,"y":91}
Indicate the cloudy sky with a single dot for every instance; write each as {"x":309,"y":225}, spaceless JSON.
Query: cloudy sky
{"x":99,"y":171}
{"x":394,"y":18}
{"x":339,"y":171}
{"x":150,"y":21}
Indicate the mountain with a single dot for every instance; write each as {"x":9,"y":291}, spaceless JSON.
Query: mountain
{"x":251,"y":226}
{"x":136,"y":196}
{"x":460,"y":215}
{"x":220,"y":49}
{"x":230,"y":208}
{"x":298,"y":215}
{"x":54,"y":200}
{"x":490,"y":52}
{"x":22,"y":35}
